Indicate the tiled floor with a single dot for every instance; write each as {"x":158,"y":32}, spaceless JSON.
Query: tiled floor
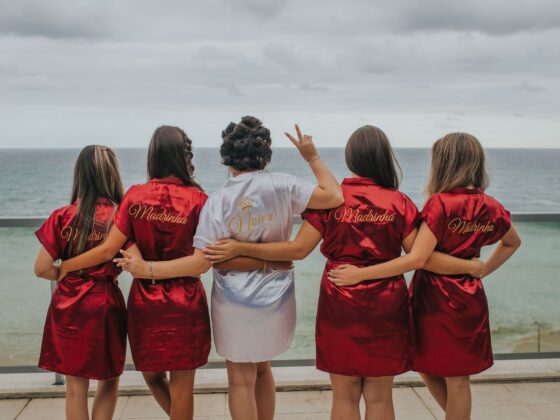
{"x":523,"y":401}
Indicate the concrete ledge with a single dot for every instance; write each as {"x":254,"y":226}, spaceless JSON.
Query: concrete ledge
{"x":296,"y":378}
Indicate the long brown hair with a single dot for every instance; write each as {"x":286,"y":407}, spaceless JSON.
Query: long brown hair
{"x":170,"y":154}
{"x":369,"y":154}
{"x":457,"y":161}
{"x":96,"y":175}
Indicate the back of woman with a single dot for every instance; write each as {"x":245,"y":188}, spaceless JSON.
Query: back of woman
{"x":370,"y":321}
{"x":253,"y":206}
{"x":463,"y":220}
{"x":82,"y":301}
{"x":169,"y":326}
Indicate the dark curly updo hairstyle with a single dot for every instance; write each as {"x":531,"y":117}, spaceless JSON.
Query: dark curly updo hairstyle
{"x":246,"y":145}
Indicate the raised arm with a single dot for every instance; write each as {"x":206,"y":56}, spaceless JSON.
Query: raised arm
{"x":505,"y":249}
{"x":328,"y":193}
{"x":44,"y":265}
{"x":100,"y":254}
{"x":305,"y":241}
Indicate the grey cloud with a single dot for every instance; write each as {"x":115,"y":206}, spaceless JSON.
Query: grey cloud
{"x":54,"y":19}
{"x":528,"y":87}
{"x":492,"y":17}
{"x":283,"y":58}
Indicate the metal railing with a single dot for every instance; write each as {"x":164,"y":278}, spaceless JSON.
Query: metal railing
{"x":35,"y":222}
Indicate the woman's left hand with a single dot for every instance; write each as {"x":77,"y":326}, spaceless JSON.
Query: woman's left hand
{"x":223,"y":250}
{"x":345,"y":275}
{"x":134,"y":264}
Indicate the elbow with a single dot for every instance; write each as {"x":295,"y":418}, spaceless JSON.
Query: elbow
{"x":203,"y":267}
{"x":337,"y":199}
{"x":40,"y":271}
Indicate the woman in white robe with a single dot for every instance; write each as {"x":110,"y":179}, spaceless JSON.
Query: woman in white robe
{"x":254,"y":312}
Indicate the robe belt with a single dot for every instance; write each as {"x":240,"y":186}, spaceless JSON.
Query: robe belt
{"x":336,"y":263}
{"x":84,"y":276}
{"x":186,"y":279}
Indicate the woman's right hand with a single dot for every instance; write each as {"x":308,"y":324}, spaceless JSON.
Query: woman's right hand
{"x":134,"y":264}
{"x":304,"y":144}
{"x":478,"y":267}
{"x":223,"y":250}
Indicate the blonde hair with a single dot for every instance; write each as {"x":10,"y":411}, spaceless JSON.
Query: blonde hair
{"x":457,"y":161}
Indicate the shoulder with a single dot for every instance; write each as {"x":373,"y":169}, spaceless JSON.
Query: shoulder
{"x":405,"y":199}
{"x":435,"y":202}
{"x":194,"y":192}
{"x":65,"y":211}
{"x":493,"y":203}
{"x":135,"y":189}
{"x":281,"y":177}
{"x":61,"y":216}
{"x":213,"y":199}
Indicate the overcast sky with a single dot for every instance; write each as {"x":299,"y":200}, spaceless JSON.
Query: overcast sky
{"x":102,"y":71}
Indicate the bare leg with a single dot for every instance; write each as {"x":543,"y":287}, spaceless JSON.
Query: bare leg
{"x":378,"y":393}
{"x":347,"y":392}
{"x":181,"y":386}
{"x":437,"y":387}
{"x":159,"y":387}
{"x":458,"y":398}
{"x":265,"y":391}
{"x":242,"y":378}
{"x":76,"y":398}
{"x":105,"y":399}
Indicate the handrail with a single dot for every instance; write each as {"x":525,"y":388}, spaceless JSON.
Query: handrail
{"x":35,"y":222}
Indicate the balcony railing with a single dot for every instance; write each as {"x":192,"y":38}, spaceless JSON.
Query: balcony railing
{"x":523,"y":297}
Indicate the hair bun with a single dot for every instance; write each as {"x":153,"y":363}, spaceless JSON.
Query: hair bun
{"x":246,"y":145}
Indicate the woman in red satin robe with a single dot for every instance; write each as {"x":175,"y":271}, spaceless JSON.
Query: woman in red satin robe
{"x":168,"y":319}
{"x":451,"y":312}
{"x":363,"y":336}
{"x":85,"y":330}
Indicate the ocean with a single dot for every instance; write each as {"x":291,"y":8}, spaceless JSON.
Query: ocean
{"x":523,"y":296}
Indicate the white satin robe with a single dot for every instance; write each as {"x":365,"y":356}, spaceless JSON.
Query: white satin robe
{"x":253,"y":313}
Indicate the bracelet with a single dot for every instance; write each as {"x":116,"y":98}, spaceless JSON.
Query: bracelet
{"x":152,"y":272}
{"x":314,"y":159}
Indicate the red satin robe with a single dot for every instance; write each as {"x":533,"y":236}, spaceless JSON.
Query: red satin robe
{"x":364,"y":330}
{"x":85,"y":329}
{"x":168,"y":321}
{"x":451,"y":312}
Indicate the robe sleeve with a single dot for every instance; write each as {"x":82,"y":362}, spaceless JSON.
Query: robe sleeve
{"x":210,"y":225}
{"x":411,"y":217}
{"x":315,"y":218}
{"x":297,"y":191}
{"x":434,"y":215}
{"x":49,"y":235}
{"x":122,"y":219}
{"x":502,"y":222}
